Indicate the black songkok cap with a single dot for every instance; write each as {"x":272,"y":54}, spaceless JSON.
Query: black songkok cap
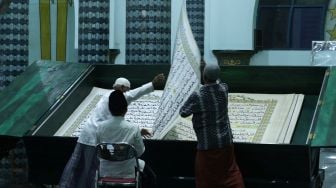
{"x":117,"y":103}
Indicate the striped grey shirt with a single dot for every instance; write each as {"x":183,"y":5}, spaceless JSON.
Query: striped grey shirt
{"x":209,"y":107}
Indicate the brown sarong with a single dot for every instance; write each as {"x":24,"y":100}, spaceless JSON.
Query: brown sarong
{"x":217,"y":168}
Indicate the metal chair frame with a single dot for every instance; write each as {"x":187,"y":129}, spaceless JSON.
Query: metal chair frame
{"x":119,"y":151}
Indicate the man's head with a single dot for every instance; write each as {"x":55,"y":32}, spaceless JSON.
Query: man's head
{"x":117,"y":103}
{"x":211,"y":72}
{"x":122,"y":84}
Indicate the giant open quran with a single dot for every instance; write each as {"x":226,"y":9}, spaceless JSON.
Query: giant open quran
{"x":257,"y":118}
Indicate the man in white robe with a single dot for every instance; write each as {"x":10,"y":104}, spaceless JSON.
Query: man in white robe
{"x":80,"y":171}
{"x":102,"y":113}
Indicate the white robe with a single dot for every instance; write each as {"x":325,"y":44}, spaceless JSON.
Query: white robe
{"x":117,"y":129}
{"x":101,"y":113}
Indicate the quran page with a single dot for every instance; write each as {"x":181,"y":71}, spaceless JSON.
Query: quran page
{"x":254,"y":118}
{"x":140,"y":112}
{"x":291,"y":119}
{"x":184,"y":78}
{"x":76,"y":121}
{"x":257,"y":118}
{"x":264,"y":118}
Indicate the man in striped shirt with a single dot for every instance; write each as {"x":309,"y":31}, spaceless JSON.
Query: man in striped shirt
{"x":215,"y":164}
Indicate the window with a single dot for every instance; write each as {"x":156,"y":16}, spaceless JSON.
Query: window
{"x":291,"y":24}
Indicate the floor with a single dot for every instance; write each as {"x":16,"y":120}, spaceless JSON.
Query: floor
{"x":13,"y":169}
{"x":328,"y":163}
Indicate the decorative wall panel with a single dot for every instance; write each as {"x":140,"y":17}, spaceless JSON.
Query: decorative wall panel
{"x":93,"y":37}
{"x":148,"y":31}
{"x":195,"y":11}
{"x":13,"y":41}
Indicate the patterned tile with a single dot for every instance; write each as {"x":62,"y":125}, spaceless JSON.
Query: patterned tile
{"x":13,"y":168}
{"x":13,"y":41}
{"x":93,"y":39}
{"x":195,"y":11}
{"x":148,"y":32}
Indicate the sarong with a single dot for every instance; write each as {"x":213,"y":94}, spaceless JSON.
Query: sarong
{"x":217,"y":168}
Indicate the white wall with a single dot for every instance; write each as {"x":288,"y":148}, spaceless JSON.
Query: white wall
{"x":283,"y":57}
{"x":71,"y":53}
{"x":229,"y":25}
{"x":119,"y":41}
{"x":76,"y":14}
{"x":34,"y":32}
